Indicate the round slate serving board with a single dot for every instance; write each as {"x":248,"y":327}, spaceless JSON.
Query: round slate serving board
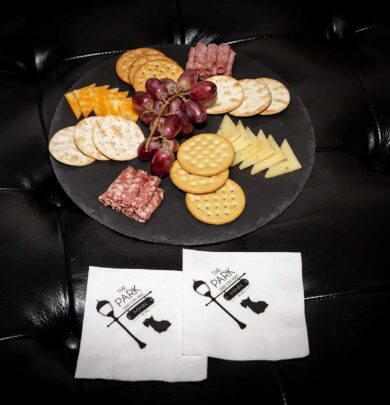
{"x":171,"y":223}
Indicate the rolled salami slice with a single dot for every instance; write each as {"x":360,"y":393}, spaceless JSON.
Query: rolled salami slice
{"x":230,"y":61}
{"x":200,"y":55}
{"x":191,"y":59}
{"x":222,"y":58}
{"x":211,"y":58}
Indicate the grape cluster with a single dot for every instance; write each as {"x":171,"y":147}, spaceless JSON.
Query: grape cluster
{"x":171,"y":109}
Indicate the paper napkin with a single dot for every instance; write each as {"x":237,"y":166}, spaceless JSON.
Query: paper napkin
{"x":143,"y":340}
{"x":243,"y":306}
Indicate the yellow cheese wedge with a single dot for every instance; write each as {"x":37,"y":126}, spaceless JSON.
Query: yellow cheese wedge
{"x":286,"y":166}
{"x":251,"y":135}
{"x":243,"y":141}
{"x":73,"y":104}
{"x":277,"y":157}
{"x":262,"y":154}
{"x":228,"y":129}
{"x":127,"y":110}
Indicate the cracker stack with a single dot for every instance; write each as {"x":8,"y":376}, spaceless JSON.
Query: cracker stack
{"x":137,"y":65}
{"x":201,"y":170}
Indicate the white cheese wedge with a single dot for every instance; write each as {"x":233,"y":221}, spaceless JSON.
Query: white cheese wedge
{"x":277,"y":157}
{"x":262,"y":154}
{"x":246,"y":153}
{"x":265,"y":152}
{"x":243,"y":141}
{"x":228,"y":129}
{"x":286,"y":166}
{"x":251,"y":135}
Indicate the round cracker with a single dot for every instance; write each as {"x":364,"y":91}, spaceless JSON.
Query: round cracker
{"x":280,"y":96}
{"x":83,"y":138}
{"x":218,"y":208}
{"x":229,"y":94}
{"x":257,"y":97}
{"x":194,"y":184}
{"x":205,"y":154}
{"x":140,"y":61}
{"x":126,"y":59}
{"x":117,"y":138}
{"x":159,"y":68}
{"x":63,"y":149}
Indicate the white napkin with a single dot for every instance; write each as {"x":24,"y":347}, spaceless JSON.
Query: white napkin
{"x":110,"y":352}
{"x":273,"y":318}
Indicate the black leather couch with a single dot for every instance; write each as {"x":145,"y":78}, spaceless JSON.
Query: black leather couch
{"x":337,"y":59}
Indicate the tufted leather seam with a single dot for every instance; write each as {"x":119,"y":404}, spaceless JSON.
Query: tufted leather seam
{"x":351,"y":294}
{"x":15,"y":337}
{"x":90,"y":55}
{"x":179,"y":12}
{"x":372,"y":110}
{"x":275,"y":373}
{"x":69,"y":284}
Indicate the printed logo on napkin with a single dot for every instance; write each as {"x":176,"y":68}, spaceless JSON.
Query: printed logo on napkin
{"x":132,"y":328}
{"x":253,"y":300}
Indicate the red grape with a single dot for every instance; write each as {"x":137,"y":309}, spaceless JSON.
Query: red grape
{"x":170,"y":126}
{"x":175,"y":105}
{"x":187,"y":79}
{"x":203,"y":91}
{"x":156,"y":89}
{"x":142,"y":101}
{"x":147,"y":155}
{"x":162,"y":162}
{"x":171,"y":144}
{"x":157,"y":106}
{"x":170,"y":85}
{"x":186,"y":124}
{"x":195,"y":111}
{"x":147,"y":117}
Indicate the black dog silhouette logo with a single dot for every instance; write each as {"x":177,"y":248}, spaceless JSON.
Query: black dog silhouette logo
{"x":158,"y":326}
{"x":257,"y":307}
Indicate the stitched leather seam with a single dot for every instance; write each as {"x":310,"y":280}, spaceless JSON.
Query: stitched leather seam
{"x":276,"y":375}
{"x":25,"y":190}
{"x":352,"y":294}
{"x":321,"y":149}
{"x":368,"y":28}
{"x":15,"y":337}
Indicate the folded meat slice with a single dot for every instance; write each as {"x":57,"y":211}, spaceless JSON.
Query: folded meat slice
{"x":134,"y":193}
{"x":154,"y":202}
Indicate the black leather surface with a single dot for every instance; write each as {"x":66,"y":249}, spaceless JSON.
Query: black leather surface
{"x":336,"y":58}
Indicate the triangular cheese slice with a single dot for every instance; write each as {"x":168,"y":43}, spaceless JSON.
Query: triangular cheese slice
{"x":286,"y":166}
{"x":243,"y":141}
{"x":265,"y":152}
{"x":277,"y":157}
{"x":73,"y":104}
{"x":83,"y":98}
{"x":127,"y":110}
{"x":228,"y":129}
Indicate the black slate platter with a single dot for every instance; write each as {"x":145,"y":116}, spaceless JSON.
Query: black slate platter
{"x":172,"y":223}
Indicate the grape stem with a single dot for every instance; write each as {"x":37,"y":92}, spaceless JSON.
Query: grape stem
{"x":166,"y":102}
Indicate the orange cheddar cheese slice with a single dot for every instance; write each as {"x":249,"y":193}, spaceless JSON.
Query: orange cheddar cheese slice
{"x":73,"y":104}
{"x":127,"y":110}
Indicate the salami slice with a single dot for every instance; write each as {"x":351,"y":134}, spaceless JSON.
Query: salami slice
{"x":191,"y":59}
{"x":146,"y":193}
{"x":222,"y":58}
{"x":134,"y":193}
{"x":155,"y":201}
{"x":230,"y":61}
{"x":200,"y":55}
{"x":211,"y":58}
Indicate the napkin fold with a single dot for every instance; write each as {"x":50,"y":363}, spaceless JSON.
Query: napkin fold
{"x":243,"y":306}
{"x":132,"y":328}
